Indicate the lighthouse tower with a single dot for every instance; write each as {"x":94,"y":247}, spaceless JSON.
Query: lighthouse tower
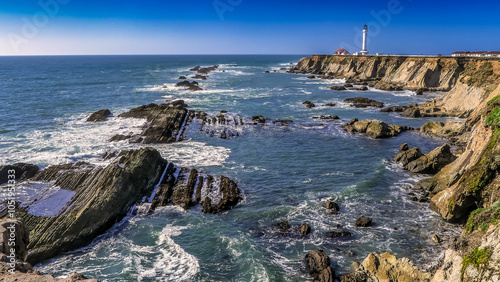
{"x":365,"y":34}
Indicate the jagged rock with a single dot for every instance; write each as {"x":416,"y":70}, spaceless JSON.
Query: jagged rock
{"x":348,"y":85}
{"x":394,"y":109}
{"x":309,"y":104}
{"x":230,"y":196}
{"x":374,"y":128}
{"x":193,"y":86}
{"x":385,"y":267}
{"x":363,"y":88}
{"x":382,"y":85}
{"x":102,"y":197}
{"x":330,"y":105}
{"x":164,"y":122}
{"x":360,"y":102}
{"x":22,"y":172}
{"x":404,"y":147}
{"x":432,"y":162}
{"x":408,"y":155}
{"x":16,"y":229}
{"x":182,"y":77}
{"x":108,"y":155}
{"x":440,"y":129}
{"x":330,"y":205}
{"x":305,"y":229}
{"x":100,"y":115}
{"x":311,"y":77}
{"x":195,"y":68}
{"x":198,"y":76}
{"x":338,"y":234}
{"x":318,"y":265}
{"x":338,"y":88}
{"x":327,"y":117}
{"x":419,"y":91}
{"x":412,"y":113}
{"x":363,"y":222}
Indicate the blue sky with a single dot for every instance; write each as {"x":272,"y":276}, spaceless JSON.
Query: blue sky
{"x":65,"y":27}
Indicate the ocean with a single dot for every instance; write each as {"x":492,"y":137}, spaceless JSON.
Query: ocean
{"x":286,"y":173}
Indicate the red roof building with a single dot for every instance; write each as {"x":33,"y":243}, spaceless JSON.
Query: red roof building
{"x":342,"y":51}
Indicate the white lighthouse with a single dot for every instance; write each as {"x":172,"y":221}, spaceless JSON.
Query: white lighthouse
{"x":365,"y":34}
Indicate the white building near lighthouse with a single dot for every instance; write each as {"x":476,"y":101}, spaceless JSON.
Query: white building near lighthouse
{"x":365,"y":39}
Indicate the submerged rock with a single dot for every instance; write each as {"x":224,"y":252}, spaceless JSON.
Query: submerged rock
{"x":100,"y":115}
{"x":318,"y":265}
{"x":22,"y":172}
{"x":330,"y":105}
{"x":327,"y":117}
{"x":360,"y":102}
{"x":338,"y":234}
{"x":338,"y":88}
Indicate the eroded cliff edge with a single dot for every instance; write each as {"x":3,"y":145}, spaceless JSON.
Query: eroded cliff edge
{"x":465,"y":191}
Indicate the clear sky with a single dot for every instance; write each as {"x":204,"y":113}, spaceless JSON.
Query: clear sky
{"x":72,"y":27}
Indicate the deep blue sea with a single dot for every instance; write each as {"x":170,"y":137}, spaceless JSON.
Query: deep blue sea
{"x":286,"y":173}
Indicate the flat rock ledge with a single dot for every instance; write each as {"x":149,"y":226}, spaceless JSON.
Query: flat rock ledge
{"x":104,"y":195}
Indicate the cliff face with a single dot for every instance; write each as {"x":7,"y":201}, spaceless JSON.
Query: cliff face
{"x":468,"y":81}
{"x":468,"y":189}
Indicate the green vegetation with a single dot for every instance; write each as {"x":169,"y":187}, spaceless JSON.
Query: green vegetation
{"x":481,"y":219}
{"x":477,"y":258}
{"x":484,"y":76}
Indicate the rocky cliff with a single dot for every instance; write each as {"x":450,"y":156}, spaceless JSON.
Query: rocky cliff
{"x":468,"y":189}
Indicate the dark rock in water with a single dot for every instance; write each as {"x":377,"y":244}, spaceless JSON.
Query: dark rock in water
{"x":318,"y":265}
{"x":419,"y":91}
{"x":404,"y":147}
{"x":230,"y":196}
{"x":338,"y":234}
{"x":330,"y":205}
{"x":362,"y":88}
{"x":311,"y":77}
{"x":193,"y":86}
{"x":22,"y":172}
{"x":374,"y":128}
{"x":327,"y":117}
{"x":305,"y":229}
{"x":119,"y":137}
{"x":136,"y":139}
{"x":259,"y":119}
{"x":100,"y":115}
{"x":338,"y":88}
{"x":16,"y":227}
{"x":202,"y":77}
{"x":351,"y":253}
{"x":348,"y":85}
{"x":330,"y":105}
{"x":195,"y":68}
{"x":394,"y":109}
{"x":360,"y":102}
{"x":309,"y":104}
{"x":433,"y":162}
{"x":165,"y":122}
{"x":363,"y":222}
{"x":412,"y":113}
{"x":182,"y":77}
{"x":103,"y":196}
{"x":284,"y":225}
{"x":283,"y":122}
{"x":405,"y":157}
{"x":267,"y":71}
{"x":109,"y":155}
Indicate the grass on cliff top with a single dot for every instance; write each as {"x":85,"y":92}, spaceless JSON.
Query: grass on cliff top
{"x":481,"y":219}
{"x":477,"y":258}
{"x":484,"y":76}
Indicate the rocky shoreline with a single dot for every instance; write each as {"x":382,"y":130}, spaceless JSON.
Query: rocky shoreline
{"x":464,"y":188}
{"x":465,"y":185}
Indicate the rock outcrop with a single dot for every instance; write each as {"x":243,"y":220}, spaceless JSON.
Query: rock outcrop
{"x":385,"y":267}
{"x":165,"y":122}
{"x":407,"y":155}
{"x":104,"y":195}
{"x":360,"y":102}
{"x":374,"y":128}
{"x":318,"y":265}
{"x":431,"y":163}
{"x":22,"y":172}
{"x":100,"y":115}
